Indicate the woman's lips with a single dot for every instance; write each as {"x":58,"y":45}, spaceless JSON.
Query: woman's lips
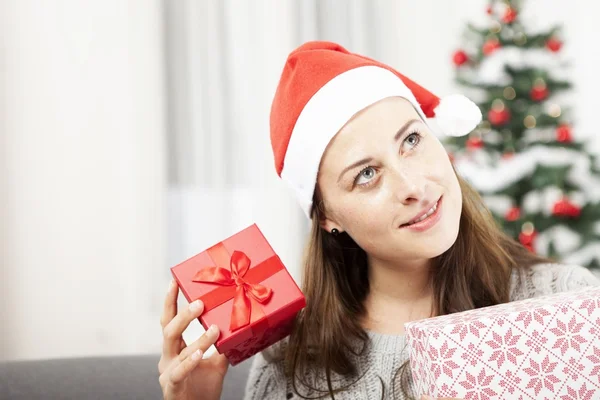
{"x":429,"y":221}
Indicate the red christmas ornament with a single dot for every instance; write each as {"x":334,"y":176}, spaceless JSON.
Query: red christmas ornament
{"x":489,"y":10}
{"x":459,"y":58}
{"x":554,"y":45}
{"x":509,"y":15}
{"x":513,"y":214}
{"x":528,"y":239}
{"x":563,"y":134}
{"x":490,"y":46}
{"x":508,"y":155}
{"x":499,"y":117}
{"x":564,"y":208}
{"x":474,"y":143}
{"x":539,"y":93}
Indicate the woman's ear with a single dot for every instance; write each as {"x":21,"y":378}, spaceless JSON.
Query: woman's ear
{"x":326,"y":220}
{"x":328,"y":224}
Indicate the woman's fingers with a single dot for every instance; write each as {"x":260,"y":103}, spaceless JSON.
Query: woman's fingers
{"x":174,"y":329}
{"x":202,"y":344}
{"x":182,"y":370}
{"x":170,"y":306}
{"x":191,"y":356}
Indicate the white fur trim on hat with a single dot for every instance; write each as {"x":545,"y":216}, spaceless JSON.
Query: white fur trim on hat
{"x":334,"y":104}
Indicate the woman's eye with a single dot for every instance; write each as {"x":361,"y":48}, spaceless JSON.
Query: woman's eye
{"x":413,"y":139}
{"x":365,"y":175}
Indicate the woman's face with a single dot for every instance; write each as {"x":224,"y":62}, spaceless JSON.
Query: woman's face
{"x":380,"y":172}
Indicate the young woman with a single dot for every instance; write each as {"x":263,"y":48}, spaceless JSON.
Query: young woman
{"x":396,"y":236}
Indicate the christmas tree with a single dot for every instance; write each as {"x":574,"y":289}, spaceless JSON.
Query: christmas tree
{"x":538,"y":180}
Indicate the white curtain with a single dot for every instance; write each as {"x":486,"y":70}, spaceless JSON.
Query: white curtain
{"x":82,"y":175}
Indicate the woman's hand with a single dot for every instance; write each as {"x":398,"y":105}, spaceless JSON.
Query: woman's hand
{"x":425,"y":397}
{"x":183,"y":373}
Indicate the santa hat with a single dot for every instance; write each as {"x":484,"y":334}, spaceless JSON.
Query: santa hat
{"x":322,"y":87}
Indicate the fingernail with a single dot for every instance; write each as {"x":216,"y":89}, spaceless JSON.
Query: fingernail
{"x":213,"y":330}
{"x":172,"y":284}
{"x":195,"y":306}
{"x":196,"y":355}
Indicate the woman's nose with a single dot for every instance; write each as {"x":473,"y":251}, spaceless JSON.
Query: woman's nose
{"x":408,"y":188}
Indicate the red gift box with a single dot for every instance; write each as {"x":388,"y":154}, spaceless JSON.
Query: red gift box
{"x":247,"y":292}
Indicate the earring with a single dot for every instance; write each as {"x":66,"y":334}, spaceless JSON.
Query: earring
{"x":335,"y":232}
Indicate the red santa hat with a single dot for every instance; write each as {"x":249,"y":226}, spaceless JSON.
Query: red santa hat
{"x":322,"y":87}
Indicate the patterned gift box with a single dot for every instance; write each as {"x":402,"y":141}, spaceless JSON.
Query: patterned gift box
{"x":247,"y":292}
{"x":540,"y":348}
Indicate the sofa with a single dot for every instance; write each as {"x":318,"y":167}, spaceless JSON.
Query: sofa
{"x":119,"y":377}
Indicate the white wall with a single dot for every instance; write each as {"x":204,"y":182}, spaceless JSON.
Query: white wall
{"x":83,"y":175}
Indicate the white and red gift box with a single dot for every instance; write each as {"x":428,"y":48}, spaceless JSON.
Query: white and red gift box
{"x":541,"y":348}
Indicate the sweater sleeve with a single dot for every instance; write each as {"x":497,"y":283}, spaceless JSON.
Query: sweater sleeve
{"x":578,"y":277}
{"x":266,"y":380}
{"x":549,"y":278}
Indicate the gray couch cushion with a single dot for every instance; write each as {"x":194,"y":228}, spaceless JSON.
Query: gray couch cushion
{"x":125,"y":377}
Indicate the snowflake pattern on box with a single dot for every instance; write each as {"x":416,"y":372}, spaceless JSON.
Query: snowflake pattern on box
{"x":541,"y":348}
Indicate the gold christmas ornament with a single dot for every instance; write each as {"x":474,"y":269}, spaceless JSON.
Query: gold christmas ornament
{"x":498,"y":105}
{"x":485,"y":126}
{"x":496,"y":27}
{"x":540,"y":83}
{"x":554,"y":111}
{"x":520,"y":39}
{"x":509,"y":93}
{"x":530,"y":121}
{"x":528,"y":228}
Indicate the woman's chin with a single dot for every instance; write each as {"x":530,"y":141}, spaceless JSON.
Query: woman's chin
{"x":433,"y":245}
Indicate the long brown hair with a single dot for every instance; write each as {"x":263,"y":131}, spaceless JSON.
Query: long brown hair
{"x":474,"y":272}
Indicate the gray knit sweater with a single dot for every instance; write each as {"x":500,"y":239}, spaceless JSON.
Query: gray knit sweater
{"x":388,"y":352}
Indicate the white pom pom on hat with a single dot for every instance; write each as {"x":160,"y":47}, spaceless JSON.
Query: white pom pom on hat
{"x":456,"y":115}
{"x":322,"y":86}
